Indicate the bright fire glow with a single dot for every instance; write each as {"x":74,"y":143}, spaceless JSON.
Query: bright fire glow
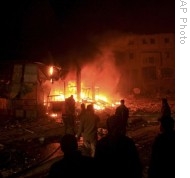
{"x":51,"y":70}
{"x":98,"y":107}
{"x":101,"y":97}
{"x":53,"y":115}
{"x":59,"y":97}
{"x":99,"y":82}
{"x":100,"y":101}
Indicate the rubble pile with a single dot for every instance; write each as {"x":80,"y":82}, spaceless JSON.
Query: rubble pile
{"x":36,"y":134}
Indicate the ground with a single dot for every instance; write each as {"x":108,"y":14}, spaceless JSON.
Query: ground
{"x":30,"y":147}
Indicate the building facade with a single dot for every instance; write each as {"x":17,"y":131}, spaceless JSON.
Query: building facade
{"x":148,"y":62}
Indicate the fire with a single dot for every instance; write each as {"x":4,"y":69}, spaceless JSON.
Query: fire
{"x":58,"y":97}
{"x":100,"y":101}
{"x":94,"y":84}
{"x":101,"y":97}
{"x":51,"y":70}
{"x":54,"y":115}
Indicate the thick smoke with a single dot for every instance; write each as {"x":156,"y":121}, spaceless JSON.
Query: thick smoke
{"x":102,"y":74}
{"x":75,"y":34}
{"x":104,"y":66}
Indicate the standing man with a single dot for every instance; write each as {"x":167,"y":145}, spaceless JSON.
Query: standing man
{"x":69,"y":116}
{"x":80,"y":115}
{"x":122,"y":114}
{"x":162,"y":160}
{"x":165,"y":109}
{"x":88,"y":129}
{"x":73,"y":163}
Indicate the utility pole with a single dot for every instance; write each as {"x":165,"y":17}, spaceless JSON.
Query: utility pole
{"x":78,"y":76}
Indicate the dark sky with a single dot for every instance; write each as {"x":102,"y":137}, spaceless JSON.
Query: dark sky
{"x":50,"y":30}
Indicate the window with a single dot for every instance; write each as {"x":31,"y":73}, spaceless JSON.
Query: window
{"x":131,"y":55}
{"x":149,"y":60}
{"x":166,"y":40}
{"x":152,"y":41}
{"x":144,"y":41}
{"x":131,"y":42}
{"x":167,"y":72}
{"x":149,"y":73}
{"x":167,"y":55}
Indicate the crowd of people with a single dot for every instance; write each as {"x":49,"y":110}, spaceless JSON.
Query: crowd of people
{"x":115,"y":154}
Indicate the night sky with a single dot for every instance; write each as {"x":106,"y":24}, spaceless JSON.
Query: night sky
{"x":51,"y":30}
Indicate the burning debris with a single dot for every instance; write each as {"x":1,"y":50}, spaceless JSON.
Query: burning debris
{"x":36,"y":134}
{"x":42,"y":92}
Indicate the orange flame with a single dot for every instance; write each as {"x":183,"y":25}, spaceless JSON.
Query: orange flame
{"x":51,"y":70}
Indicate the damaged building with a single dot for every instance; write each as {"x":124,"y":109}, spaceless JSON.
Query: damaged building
{"x":131,"y":64}
{"x":147,"y":62}
{"x":26,"y":90}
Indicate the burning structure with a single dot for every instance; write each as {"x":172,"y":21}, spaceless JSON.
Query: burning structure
{"x":38,"y":87}
{"x":124,"y":65}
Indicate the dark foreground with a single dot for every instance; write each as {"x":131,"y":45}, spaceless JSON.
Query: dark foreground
{"x":28,"y":148}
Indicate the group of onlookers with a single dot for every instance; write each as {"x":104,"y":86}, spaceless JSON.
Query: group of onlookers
{"x":115,"y":154}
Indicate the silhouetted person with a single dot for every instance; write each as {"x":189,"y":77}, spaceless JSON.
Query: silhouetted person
{"x":162,"y":163}
{"x":81,"y":114}
{"x":71,"y":105}
{"x":82,"y":111}
{"x":116,"y":154}
{"x":165,"y":108}
{"x":73,"y":163}
{"x":122,"y":114}
{"x":69,"y":116}
{"x":88,"y":129}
